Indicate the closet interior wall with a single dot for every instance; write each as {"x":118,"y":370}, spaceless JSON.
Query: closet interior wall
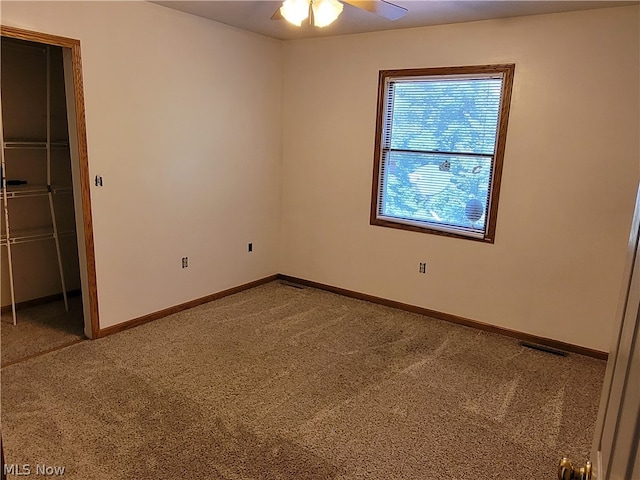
{"x":24,"y":119}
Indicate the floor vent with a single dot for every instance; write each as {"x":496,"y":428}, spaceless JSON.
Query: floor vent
{"x":544,"y":348}
{"x":294,"y":285}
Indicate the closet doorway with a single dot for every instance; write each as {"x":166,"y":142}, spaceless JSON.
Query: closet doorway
{"x":48,"y":282}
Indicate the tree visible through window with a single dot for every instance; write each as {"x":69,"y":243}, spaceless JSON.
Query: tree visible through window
{"x":439,"y":148}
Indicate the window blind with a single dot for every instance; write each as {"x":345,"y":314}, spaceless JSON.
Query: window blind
{"x":437,"y":150}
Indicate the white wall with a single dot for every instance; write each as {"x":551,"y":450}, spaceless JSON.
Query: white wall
{"x":571,"y":172}
{"x":184,"y":124}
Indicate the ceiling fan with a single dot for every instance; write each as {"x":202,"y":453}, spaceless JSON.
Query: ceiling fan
{"x":323,"y":12}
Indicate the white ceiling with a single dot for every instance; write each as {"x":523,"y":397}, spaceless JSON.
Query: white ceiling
{"x":255,"y":16}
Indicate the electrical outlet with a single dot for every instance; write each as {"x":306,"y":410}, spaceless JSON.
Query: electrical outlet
{"x":423,"y":267}
{"x":185,"y":262}
{"x":250,"y":247}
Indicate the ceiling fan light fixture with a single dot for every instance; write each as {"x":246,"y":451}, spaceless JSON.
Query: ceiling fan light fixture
{"x":295,"y":11}
{"x":325,"y":12}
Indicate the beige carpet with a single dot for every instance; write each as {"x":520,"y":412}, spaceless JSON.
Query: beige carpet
{"x":40,"y":328}
{"x":282,"y":383}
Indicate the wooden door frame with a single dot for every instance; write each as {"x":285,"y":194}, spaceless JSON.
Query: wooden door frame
{"x":81,"y":131}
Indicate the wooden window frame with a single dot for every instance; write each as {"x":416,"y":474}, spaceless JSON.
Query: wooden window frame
{"x":507,"y":70}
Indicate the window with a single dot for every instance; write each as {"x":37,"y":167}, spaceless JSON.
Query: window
{"x":440,"y":140}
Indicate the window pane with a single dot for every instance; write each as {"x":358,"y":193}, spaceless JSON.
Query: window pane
{"x":440,"y":148}
{"x":441,"y":189}
{"x":446,"y":115}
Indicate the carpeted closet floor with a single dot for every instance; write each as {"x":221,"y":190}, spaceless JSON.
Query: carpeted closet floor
{"x":40,"y":328}
{"x":284,"y":383}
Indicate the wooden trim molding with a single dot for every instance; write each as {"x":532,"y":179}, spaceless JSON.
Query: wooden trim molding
{"x":81,"y":131}
{"x":183,"y":306}
{"x":556,"y":344}
{"x":31,"y":36}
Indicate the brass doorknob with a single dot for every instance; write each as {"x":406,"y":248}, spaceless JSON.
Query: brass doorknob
{"x":566,"y":471}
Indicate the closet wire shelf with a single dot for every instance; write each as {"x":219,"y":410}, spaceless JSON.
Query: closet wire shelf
{"x":33,"y":235}
{"x":33,"y":144}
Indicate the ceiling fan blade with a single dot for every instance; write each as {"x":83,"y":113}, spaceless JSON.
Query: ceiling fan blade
{"x":277,"y":15}
{"x":380,"y":7}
